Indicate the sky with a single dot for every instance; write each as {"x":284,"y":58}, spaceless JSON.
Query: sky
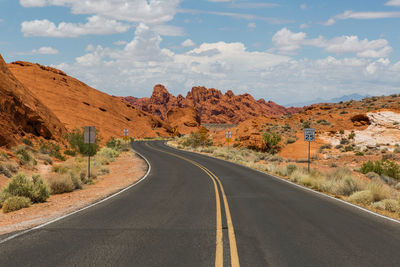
{"x":285,"y":51}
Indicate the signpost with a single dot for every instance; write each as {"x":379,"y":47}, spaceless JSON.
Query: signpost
{"x":126,"y":134}
{"x":89,"y":137}
{"x":309,"y":136}
{"x":228,"y":136}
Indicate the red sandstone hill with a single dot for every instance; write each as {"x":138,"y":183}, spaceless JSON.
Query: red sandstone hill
{"x":22,"y":114}
{"x":210,"y":104}
{"x":77,"y":104}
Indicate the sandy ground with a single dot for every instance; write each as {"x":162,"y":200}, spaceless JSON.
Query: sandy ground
{"x":126,"y":170}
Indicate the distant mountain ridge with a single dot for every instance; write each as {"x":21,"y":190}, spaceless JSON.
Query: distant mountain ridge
{"x":210,"y":105}
{"x":331,"y":100}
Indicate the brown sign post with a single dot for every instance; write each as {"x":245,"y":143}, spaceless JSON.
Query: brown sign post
{"x":89,"y":137}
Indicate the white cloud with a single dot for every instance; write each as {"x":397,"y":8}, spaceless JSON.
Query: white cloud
{"x":253,"y":5}
{"x":120,"y":42}
{"x":348,"y":14}
{"x":288,"y":42}
{"x":45,"y":50}
{"x":393,"y":3}
{"x":252,"y":25}
{"x":147,"y":11}
{"x":94,"y":25}
{"x":169,"y":30}
{"x":303,"y":6}
{"x":188,"y":43}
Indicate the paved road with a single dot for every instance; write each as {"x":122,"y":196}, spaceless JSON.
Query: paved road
{"x":173,"y":218}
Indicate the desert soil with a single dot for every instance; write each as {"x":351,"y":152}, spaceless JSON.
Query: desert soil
{"x":126,"y":170}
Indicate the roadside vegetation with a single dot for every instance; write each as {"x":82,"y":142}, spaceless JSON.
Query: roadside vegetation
{"x":68,"y":170}
{"x":375,"y":185}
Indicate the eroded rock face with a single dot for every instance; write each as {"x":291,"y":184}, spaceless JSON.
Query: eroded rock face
{"x":21,"y":113}
{"x":210,"y":104}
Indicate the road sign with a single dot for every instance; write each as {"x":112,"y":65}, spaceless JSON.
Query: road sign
{"x":126,"y":132}
{"x":309,"y":134}
{"x":228,"y":134}
{"x":89,"y":135}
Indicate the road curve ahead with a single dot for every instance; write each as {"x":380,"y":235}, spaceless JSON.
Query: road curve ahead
{"x":193,"y":210}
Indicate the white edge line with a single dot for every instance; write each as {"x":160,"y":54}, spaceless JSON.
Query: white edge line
{"x":84,"y":208}
{"x":301,"y":187}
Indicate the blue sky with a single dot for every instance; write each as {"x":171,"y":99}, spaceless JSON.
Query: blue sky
{"x":285,"y":51}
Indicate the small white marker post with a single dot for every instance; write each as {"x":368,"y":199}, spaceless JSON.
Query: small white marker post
{"x":228,"y":136}
{"x":89,"y":137}
{"x":309,"y":136}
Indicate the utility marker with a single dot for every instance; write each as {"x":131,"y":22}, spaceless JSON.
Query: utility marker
{"x":228,"y":137}
{"x":309,"y":136}
{"x":89,"y":137}
{"x":126,"y":134}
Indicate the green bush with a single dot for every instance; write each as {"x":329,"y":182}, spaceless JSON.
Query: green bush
{"x":114,"y":143}
{"x":52,"y":149}
{"x":109,"y":153}
{"x":362,"y":197}
{"x":200,"y":138}
{"x":290,"y":168}
{"x":5,"y":171}
{"x":27,"y":142}
{"x":70,"y":152}
{"x":76,"y":141}
{"x":4,"y":195}
{"x":271,"y":141}
{"x":60,"y":168}
{"x":15,"y":203}
{"x":36,"y":190}
{"x":383,"y":167}
{"x":352,"y":135}
{"x":40,"y":190}
{"x":23,"y":156}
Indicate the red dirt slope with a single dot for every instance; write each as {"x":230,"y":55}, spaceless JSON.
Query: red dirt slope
{"x":76,"y":104}
{"x":22,"y":114}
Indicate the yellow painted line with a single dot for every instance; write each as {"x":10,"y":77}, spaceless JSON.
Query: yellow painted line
{"x":219,"y":255}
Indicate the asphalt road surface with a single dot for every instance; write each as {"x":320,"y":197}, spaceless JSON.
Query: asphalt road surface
{"x":193,"y":210}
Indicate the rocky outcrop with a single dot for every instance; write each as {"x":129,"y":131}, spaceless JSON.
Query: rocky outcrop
{"x":186,"y":120}
{"x":22,"y":114}
{"x":210,"y":104}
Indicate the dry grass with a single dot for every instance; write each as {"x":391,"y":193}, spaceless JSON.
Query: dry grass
{"x":15,"y":203}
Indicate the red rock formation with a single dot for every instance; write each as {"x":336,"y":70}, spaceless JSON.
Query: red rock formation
{"x":210,"y":104}
{"x":77,"y":104}
{"x":21,"y":113}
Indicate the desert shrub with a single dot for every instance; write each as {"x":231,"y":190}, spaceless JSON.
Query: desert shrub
{"x":3,"y":156}
{"x":362,"y":197}
{"x":306,"y":124}
{"x":383,"y":167}
{"x":70,"y":152}
{"x":298,"y":175}
{"x":396,"y":150}
{"x":114,"y":143}
{"x":19,"y":185}
{"x":52,"y":149}
{"x":61,"y":184}
{"x":200,"y":138}
{"x":108,"y":153}
{"x":4,"y":195}
{"x":344,"y":141}
{"x":59,"y":168}
{"x":15,"y":203}
{"x":352,"y":135}
{"x":23,"y":156}
{"x":348,"y":148}
{"x":27,"y":142}
{"x":271,"y":141}
{"x":390,"y":205}
{"x":290,"y":168}
{"x":4,"y":170}
{"x":326,"y":146}
{"x":40,"y":190}
{"x":76,"y":180}
{"x":359,"y":153}
{"x":379,"y":190}
{"x":76,"y":141}
{"x":341,"y":131}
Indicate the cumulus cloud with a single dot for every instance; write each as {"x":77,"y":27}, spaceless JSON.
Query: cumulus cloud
{"x":147,"y":11}
{"x":135,"y":68}
{"x":95,"y":25}
{"x":288,"y":42}
{"x":188,"y":43}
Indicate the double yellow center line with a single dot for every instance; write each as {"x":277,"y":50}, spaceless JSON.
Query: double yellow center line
{"x":219,"y":255}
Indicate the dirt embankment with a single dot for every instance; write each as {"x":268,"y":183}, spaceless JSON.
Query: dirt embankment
{"x":126,"y":170}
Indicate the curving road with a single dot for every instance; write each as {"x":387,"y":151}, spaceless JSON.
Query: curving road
{"x":193,"y":210}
